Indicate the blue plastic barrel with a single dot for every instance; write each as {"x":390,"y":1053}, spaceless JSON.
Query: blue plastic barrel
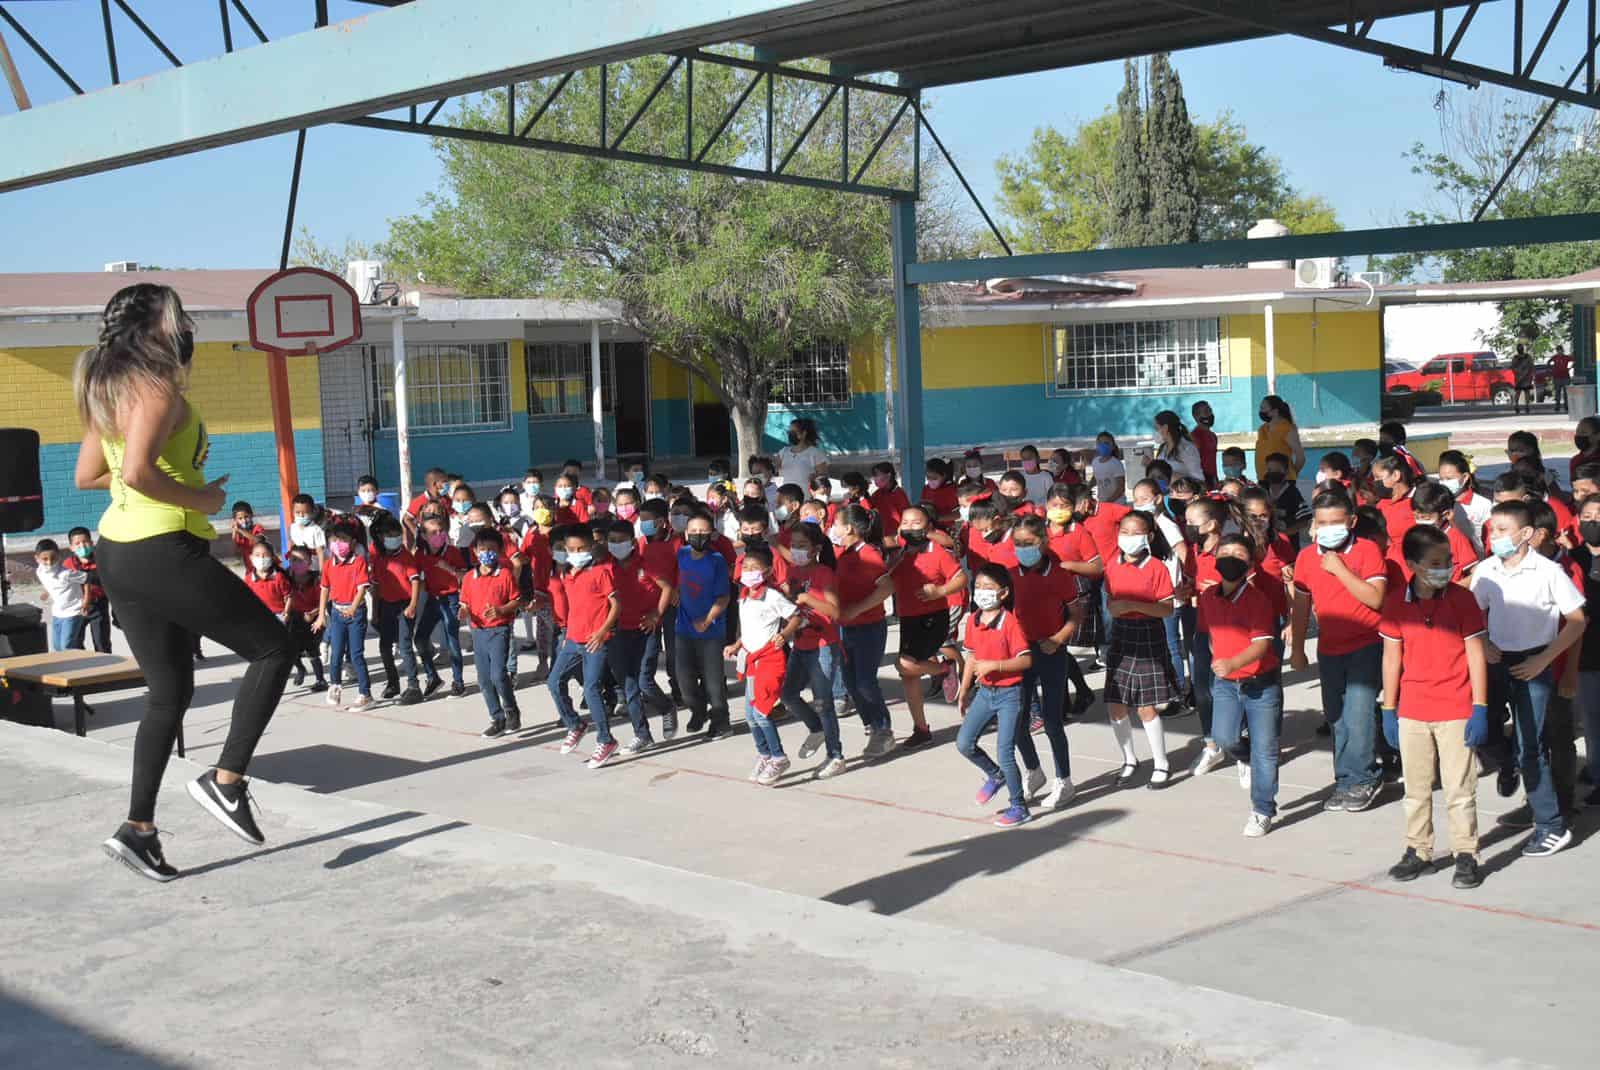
{"x":390,"y":502}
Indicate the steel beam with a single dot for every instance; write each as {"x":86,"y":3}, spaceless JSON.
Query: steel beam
{"x":907,"y":345}
{"x":1437,"y":237}
{"x":417,"y":52}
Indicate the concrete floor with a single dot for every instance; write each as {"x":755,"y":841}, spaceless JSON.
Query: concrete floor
{"x":1156,"y":882}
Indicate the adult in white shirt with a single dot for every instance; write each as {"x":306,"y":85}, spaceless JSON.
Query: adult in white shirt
{"x":802,"y":458}
{"x":1110,"y":475}
{"x":1174,"y":446}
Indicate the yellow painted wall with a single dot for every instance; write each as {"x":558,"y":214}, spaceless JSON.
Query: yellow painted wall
{"x":1307,"y":343}
{"x":517,"y":374}
{"x":668,"y":381}
{"x":1010,"y":355}
{"x":228,"y":387}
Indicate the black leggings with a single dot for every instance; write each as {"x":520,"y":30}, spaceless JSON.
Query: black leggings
{"x":166,"y":590}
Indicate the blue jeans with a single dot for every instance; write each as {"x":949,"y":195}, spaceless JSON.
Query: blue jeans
{"x":1203,"y":683}
{"x":349,"y":636}
{"x":1258,"y":703}
{"x":1003,"y":705}
{"x":66,"y":633}
{"x":762,"y":730}
{"x":863,"y":650}
{"x":1175,"y":649}
{"x":816,"y":669}
{"x":572,"y":659}
{"x":1528,"y":700}
{"x":394,"y":630}
{"x":627,"y":652}
{"x":1350,"y":685}
{"x":489,"y":649}
{"x":438,"y":615}
{"x":1589,"y":709}
{"x":1049,"y":674}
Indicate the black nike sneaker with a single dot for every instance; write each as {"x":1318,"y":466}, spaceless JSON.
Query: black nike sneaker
{"x":140,"y":853}
{"x":229,"y":804}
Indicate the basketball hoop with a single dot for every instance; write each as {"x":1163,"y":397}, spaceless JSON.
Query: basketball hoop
{"x":303,"y":311}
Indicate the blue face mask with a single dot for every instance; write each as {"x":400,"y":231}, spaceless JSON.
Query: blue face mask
{"x":488,"y":558}
{"x":559,"y":556}
{"x":579,"y":558}
{"x":1504,"y":546}
{"x":1332,"y":536}
{"x":462,"y":507}
{"x":392,"y":543}
{"x":1162,"y":485}
{"x":648,"y":528}
{"x":1103,"y":449}
{"x":1028,"y":556}
{"x":620,"y":550}
{"x":1233,"y":471}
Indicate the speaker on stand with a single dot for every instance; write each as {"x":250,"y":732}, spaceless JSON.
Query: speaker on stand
{"x":21,"y":491}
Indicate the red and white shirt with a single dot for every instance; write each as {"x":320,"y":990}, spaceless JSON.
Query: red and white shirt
{"x":1234,"y":622}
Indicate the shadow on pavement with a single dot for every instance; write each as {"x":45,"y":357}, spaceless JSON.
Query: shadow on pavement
{"x":360,"y":852}
{"x":31,"y":1037}
{"x":307,"y":841}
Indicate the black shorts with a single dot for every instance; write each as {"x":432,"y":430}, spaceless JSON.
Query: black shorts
{"x":921,"y":637}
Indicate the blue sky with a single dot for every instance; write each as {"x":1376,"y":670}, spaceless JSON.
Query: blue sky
{"x":1338,"y":120}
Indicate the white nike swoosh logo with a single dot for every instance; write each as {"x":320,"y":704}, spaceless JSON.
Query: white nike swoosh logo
{"x":226,"y":805}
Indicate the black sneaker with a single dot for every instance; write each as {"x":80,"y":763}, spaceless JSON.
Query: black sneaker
{"x":1546,"y":845}
{"x":1467,"y":873}
{"x":410,"y":696}
{"x":434,"y":683}
{"x":142,"y":854}
{"x":390,"y":690}
{"x":495,"y":730}
{"x":457,"y":689}
{"x":299,"y":675}
{"x":513,"y":720}
{"x":1361,"y":797}
{"x":1324,"y":730}
{"x":1175,"y":708}
{"x":1391,"y":768}
{"x":919,"y":737}
{"x":1410,"y":867}
{"x":1336,"y":802}
{"x":320,"y":686}
{"x":716,"y":730}
{"x":228,"y":803}
{"x":1520,"y":818}
{"x":1506,"y":780}
{"x":697,"y":721}
{"x":1593,"y":798}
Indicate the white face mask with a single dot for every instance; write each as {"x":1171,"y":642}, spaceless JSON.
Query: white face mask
{"x":367,"y":496}
{"x":974,"y":471}
{"x":985,"y":597}
{"x":620,"y":550}
{"x":1133,"y":545}
{"x":1451,"y":485}
{"x":802,"y":558}
{"x":262,"y":564}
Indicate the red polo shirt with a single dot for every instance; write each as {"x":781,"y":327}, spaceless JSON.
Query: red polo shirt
{"x":1201,"y":568}
{"x":441,"y":572}
{"x":479,"y":592}
{"x":1345,"y":624}
{"x":304,"y":599}
{"x":1000,"y":641}
{"x":1398,"y":518}
{"x":943,"y":499}
{"x":934,"y":565}
{"x":1147,"y":581}
{"x":889,"y":503}
{"x":1042,"y":596}
{"x":858,"y":570}
{"x":980,"y":551}
{"x":660,"y":557}
{"x":274,"y":591}
{"x":637,"y":593}
{"x":242,"y":543}
{"x":1234,"y":622}
{"x":1205,"y":440}
{"x":1434,"y":685}
{"x":344,"y":579}
{"x":1102,"y":527}
{"x":394,"y":573}
{"x":819,"y":630}
{"x":589,"y":592}
{"x":1074,"y":544}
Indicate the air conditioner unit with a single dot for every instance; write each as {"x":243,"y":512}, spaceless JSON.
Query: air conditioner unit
{"x":123,"y":266}
{"x":363,"y":277}
{"x":1374,"y":278}
{"x":1316,"y":274}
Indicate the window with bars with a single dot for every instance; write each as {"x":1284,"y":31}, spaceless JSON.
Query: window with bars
{"x":816,"y":377}
{"x":1137,"y":357}
{"x":449,"y":387}
{"x":558,"y":378}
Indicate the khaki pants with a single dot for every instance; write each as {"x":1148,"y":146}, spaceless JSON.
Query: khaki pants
{"x":1421,"y":744}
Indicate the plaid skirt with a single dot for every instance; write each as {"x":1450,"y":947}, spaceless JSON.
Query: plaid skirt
{"x":1093,"y":632}
{"x":1139,"y":666}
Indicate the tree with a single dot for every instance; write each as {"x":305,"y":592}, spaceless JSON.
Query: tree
{"x":1170,"y":150}
{"x":308,"y":252}
{"x":727,"y":278}
{"x":1130,"y":172}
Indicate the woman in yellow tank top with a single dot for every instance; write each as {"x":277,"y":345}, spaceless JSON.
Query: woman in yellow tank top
{"x":1278,"y":434}
{"x":146,"y":445}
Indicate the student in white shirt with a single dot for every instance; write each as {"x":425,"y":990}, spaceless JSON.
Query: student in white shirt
{"x":1174,"y":446}
{"x":1036,"y":480}
{"x":63,"y":589}
{"x":1471,"y":512}
{"x":767,"y":620}
{"x":1107,"y":470}
{"x":1534,"y":612}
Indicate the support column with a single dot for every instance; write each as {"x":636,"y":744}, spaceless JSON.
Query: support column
{"x":402,"y":413}
{"x":595,"y":397}
{"x":907,"y":346}
{"x":1583,"y":352}
{"x":1272,"y":354}
{"x":283,"y":434}
{"x":888,"y":393}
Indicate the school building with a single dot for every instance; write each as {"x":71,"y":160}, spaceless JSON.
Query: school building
{"x":496,"y":386}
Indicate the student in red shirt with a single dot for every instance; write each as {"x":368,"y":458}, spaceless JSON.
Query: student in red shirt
{"x":244,"y":530}
{"x":570,"y":508}
{"x":345,"y":580}
{"x":490,"y":602}
{"x":1139,"y":673}
{"x":1395,"y":482}
{"x":441,"y":566}
{"x":644,"y":594}
{"x":1204,"y":521}
{"x":1274,"y":554}
{"x":939,"y":493}
{"x":997,"y":656}
{"x":1205,"y":440}
{"x":96,"y":607}
{"x":536,"y":553}
{"x":1344,"y":578}
{"x":864,"y":585}
{"x":1246,"y":687}
{"x":267,"y":581}
{"x":397,"y":584}
{"x":1102,"y":520}
{"x":572,"y":469}
{"x":658,"y":548}
{"x":1073,"y":546}
{"x":1436,"y":684}
{"x":1050,"y":611}
{"x":1435,"y":507}
{"x":305,"y":596}
{"x":593,"y":609}
{"x":925,"y":576}
{"x":814,"y":654}
{"x":986,"y":536}
{"x":433,"y":484}
{"x":1014,"y":493}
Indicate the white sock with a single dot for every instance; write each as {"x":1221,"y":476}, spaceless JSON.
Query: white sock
{"x":1158,"y":741}
{"x":1124,"y":733}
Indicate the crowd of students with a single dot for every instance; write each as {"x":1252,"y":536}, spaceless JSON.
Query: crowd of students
{"x":1449,"y":616}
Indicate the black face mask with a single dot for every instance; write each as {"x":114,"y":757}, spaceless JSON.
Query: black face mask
{"x":1207,"y":421}
{"x":1192,"y":533}
{"x":699,"y":540}
{"x":994,"y":534}
{"x":1272,"y":479}
{"x":752,"y":542}
{"x":1583,"y":442}
{"x":794,"y":438}
{"x":1590,"y":530}
{"x":1232,"y":569}
{"x":914,"y":537}
{"x":185,"y":347}
{"x":1266,"y":416}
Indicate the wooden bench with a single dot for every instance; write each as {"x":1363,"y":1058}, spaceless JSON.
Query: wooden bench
{"x":76,"y":674}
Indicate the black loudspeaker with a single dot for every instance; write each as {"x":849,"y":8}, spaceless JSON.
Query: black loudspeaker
{"x":21,"y":493}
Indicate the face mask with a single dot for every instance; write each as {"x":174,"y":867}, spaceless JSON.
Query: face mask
{"x":636,"y":477}
{"x":1332,"y":536}
{"x":752,"y":577}
{"x":994,"y":534}
{"x":1030,"y":466}
{"x":510,"y":509}
{"x":340,"y":547}
{"x":1059,"y":516}
{"x":1192,"y":533}
{"x":532,"y":488}
{"x":579,"y":558}
{"x":185,"y":347}
{"x":1232,"y":569}
{"x":880,"y":481}
{"x":1272,"y":479}
{"x":565,"y":493}
{"x":814,"y":520}
{"x":558,"y":556}
{"x":1437,"y":578}
{"x":1102,"y":449}
{"x":802,"y":558}
{"x":462,"y":508}
{"x":627,"y":512}
{"x":649,"y":527}
{"x":699,"y":540}
{"x":1133,"y":545}
{"x":367,"y":496}
{"x":1451,"y":485}
{"x":1266,"y":416}
{"x":1028,"y":556}
{"x":1590,"y":530}
{"x":1504,"y":546}
{"x":715,"y":476}
{"x":82,"y":553}
{"x":1205,"y":421}
{"x":974,"y":471}
{"x":986,"y":598}
{"x":1233,"y":471}
{"x":782,"y":513}
{"x":1583,"y":442}
{"x":436,"y":541}
{"x":262,"y":564}
{"x":794,"y":438}
{"x":392,"y":543}
{"x":753,"y":541}
{"x":302,"y":521}
{"x":542,"y":517}
{"x":964,"y":511}
{"x":601,"y":509}
{"x":1161,"y":485}
{"x":299,"y":568}
{"x":933,"y":482}
{"x":679,"y":522}
{"x":487,"y":558}
{"x":836,"y":536}
{"x":620,"y":550}
{"x":1147,"y":508}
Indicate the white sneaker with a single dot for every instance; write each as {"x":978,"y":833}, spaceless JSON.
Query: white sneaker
{"x":1033,"y":782}
{"x":1257,"y":825}
{"x":1244,"y":776}
{"x":756,"y":770}
{"x":335,"y":694}
{"x":774,"y":771}
{"x":879,"y":743}
{"x":830,"y":769}
{"x":361,"y":702}
{"x":636,"y":745}
{"x":1061,"y":793}
{"x":1208,"y":760}
{"x":812,"y":744}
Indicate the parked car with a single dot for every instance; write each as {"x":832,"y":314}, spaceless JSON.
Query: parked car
{"x":1465,"y":377}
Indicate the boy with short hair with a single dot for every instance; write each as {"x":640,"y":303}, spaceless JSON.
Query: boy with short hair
{"x":244,"y":530}
{"x":304,"y":529}
{"x":490,"y":602}
{"x":1436,"y":683}
{"x":592,"y":608}
{"x":96,"y":610}
{"x":63,"y":591}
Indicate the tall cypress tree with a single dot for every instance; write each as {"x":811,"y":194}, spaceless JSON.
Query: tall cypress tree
{"x":1130,"y":176}
{"x":1171,"y":147}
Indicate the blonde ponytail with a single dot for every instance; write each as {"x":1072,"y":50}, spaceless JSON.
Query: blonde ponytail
{"x":139,"y":349}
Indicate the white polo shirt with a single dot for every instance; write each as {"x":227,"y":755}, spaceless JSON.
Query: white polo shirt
{"x":762,"y":618}
{"x":1524,"y":603}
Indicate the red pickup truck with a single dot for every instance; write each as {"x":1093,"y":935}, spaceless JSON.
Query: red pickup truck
{"x":1466,"y":377}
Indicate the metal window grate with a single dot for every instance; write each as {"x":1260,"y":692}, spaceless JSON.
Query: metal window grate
{"x":816,"y":377}
{"x":1137,"y":357}
{"x":559,"y":382}
{"x":448,"y":387}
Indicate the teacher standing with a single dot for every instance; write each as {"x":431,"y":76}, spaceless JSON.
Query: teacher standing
{"x":802,"y":458}
{"x":146,"y":444}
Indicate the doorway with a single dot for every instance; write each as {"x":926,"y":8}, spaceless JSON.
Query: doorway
{"x":710,"y":422}
{"x":346,"y":426}
{"x":630,"y":399}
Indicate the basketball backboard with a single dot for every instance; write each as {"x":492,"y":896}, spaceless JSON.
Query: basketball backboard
{"x":303,"y":310}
